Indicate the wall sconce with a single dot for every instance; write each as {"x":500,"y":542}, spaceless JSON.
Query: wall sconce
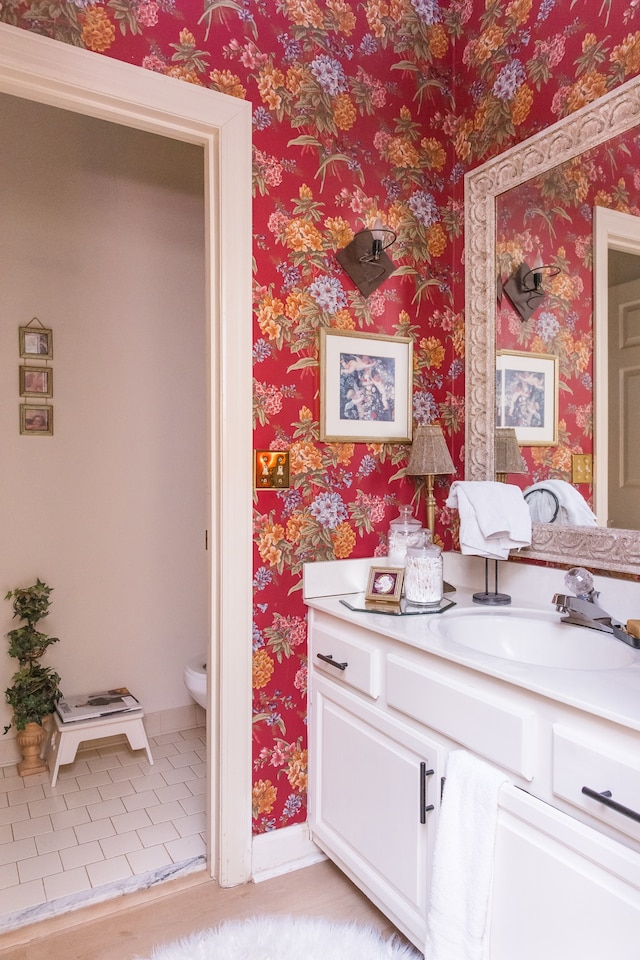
{"x":508,"y":456}
{"x":429,"y":457}
{"x":524,"y":286}
{"x":364,"y":258}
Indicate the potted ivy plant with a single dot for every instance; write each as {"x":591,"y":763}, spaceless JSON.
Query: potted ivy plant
{"x":34,"y":689}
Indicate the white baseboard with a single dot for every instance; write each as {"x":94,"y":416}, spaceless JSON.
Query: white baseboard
{"x":282,"y":851}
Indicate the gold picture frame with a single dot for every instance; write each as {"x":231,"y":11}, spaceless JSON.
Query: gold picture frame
{"x":36,"y":421}
{"x":36,"y":342}
{"x":385,"y":584}
{"x":366,"y":383}
{"x":36,"y":381}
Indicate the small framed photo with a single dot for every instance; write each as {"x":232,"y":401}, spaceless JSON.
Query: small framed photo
{"x":36,"y":381}
{"x":36,"y":421}
{"x":385,"y":584}
{"x":36,"y":342}
{"x":365,"y":387}
{"x":527,"y":396}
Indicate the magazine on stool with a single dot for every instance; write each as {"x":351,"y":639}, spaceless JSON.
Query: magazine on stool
{"x":90,"y":706}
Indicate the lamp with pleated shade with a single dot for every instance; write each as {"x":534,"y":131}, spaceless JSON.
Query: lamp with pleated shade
{"x":508,"y":456}
{"x":429,"y":458}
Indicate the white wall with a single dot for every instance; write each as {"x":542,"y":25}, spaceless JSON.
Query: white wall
{"x":101,"y":238}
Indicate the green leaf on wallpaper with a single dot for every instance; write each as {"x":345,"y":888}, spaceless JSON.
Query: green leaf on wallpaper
{"x":565,"y":387}
{"x":335,"y":158}
{"x":302,"y":363}
{"x":213,"y":6}
{"x":304,"y":141}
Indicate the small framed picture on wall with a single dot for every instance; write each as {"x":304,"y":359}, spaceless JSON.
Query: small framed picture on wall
{"x":36,"y":342}
{"x":36,"y":381}
{"x":36,"y":421}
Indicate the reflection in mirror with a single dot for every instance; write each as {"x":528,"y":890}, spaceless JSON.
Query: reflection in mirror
{"x":617,"y":325}
{"x":586,"y":160}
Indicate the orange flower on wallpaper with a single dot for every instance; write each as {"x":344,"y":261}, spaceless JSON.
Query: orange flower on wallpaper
{"x":518,"y":10}
{"x":433,"y":351}
{"x":98,"y":33}
{"x":342,"y":320}
{"x":301,"y":235}
{"x":627,"y":54}
{"x":436,"y":239}
{"x":268,"y":541}
{"x":269,"y":80}
{"x":438,"y":40}
{"x":402,"y":153}
{"x":226,"y":82}
{"x":344,"y":16}
{"x":344,"y":112}
{"x":434,"y":153}
{"x":295,"y":527}
{"x":297,"y":770}
{"x":261,"y":669}
{"x":304,"y":457}
{"x":376,"y":11}
{"x":521,"y":104}
{"x":296,"y":75}
{"x":585,"y":90}
{"x":304,"y":13}
{"x":263,"y":797}
{"x":344,"y":540}
{"x":487,"y":43}
{"x":340,"y":231}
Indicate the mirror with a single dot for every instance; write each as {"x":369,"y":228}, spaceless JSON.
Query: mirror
{"x":619,"y":111}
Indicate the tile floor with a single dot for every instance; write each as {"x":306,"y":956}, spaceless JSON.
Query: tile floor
{"x":111,"y":816}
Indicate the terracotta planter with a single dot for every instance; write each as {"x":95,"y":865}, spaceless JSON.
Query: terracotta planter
{"x":30,"y":741}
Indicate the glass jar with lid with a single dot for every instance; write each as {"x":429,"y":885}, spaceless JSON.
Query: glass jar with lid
{"x":423,"y":572}
{"x":403,"y":531}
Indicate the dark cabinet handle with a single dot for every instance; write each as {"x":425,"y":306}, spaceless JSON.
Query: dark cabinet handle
{"x":605,"y":797}
{"x":424,"y":806}
{"x":328,"y":658}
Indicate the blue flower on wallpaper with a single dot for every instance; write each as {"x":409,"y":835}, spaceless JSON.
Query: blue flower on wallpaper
{"x":428,"y":10}
{"x":261,"y":351}
{"x":424,"y":207}
{"x":329,"y":74}
{"x":329,"y":510}
{"x":425,"y":408}
{"x":328,"y":294}
{"x":368,"y":44}
{"x":367,"y":465}
{"x":261,"y":118}
{"x":263,"y":577}
{"x":511,"y":76}
{"x":547,"y":326}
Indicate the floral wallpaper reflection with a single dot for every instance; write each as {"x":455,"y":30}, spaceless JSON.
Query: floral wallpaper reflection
{"x":360,"y":109}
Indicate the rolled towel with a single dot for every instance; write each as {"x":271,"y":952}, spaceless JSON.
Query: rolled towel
{"x":573,"y":508}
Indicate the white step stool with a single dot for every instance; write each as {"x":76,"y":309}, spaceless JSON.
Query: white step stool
{"x":67,"y":737}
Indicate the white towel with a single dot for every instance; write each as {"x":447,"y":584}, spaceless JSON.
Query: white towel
{"x":458,"y":918}
{"x":572,"y":507}
{"x":494,"y":517}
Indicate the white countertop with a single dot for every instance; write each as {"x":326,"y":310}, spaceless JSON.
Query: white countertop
{"x":613,"y":694}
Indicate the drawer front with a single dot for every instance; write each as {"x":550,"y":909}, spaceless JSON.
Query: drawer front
{"x":583,"y":760}
{"x":346,"y":658}
{"x":490,"y":725}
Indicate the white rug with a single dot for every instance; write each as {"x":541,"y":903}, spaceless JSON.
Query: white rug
{"x":286,"y":938}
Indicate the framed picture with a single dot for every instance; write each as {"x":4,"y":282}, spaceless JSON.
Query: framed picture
{"x":385,"y":584}
{"x":36,"y":381}
{"x":36,"y":421}
{"x":36,"y":342}
{"x":365,"y":387}
{"x":527,"y":396}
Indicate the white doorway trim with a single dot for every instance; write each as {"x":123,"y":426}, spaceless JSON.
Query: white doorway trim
{"x":63,"y":76}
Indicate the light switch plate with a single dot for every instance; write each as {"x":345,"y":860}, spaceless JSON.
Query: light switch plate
{"x":581,"y":468}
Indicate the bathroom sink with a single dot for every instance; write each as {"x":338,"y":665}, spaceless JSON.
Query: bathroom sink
{"x":535,"y":638}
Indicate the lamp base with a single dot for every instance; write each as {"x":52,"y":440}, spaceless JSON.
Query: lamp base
{"x":492,"y":599}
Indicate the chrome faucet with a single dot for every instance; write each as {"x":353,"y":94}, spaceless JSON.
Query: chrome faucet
{"x":582,"y":609}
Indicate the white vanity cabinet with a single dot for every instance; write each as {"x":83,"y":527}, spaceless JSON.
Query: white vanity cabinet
{"x":387,"y":706}
{"x":374,"y":781}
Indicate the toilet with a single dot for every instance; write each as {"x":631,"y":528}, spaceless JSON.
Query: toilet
{"x":195,"y":679}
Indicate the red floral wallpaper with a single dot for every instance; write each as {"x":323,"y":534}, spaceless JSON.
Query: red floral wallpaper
{"x":360,"y":109}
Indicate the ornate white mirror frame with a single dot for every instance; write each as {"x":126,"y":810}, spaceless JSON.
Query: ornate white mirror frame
{"x":599,"y":547}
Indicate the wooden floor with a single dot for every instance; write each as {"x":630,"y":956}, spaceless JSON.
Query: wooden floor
{"x":131,"y":926}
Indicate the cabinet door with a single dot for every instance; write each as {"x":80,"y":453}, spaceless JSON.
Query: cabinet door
{"x":369,"y":789}
{"x":561,"y":889}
